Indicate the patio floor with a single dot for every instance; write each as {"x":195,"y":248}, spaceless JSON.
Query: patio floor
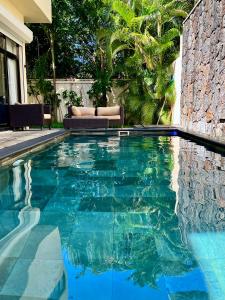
{"x":13,"y":142}
{"x":11,"y":138}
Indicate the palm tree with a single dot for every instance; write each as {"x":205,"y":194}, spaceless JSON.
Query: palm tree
{"x":147,"y":37}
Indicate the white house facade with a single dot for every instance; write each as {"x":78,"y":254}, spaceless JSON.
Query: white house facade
{"x":14,"y":35}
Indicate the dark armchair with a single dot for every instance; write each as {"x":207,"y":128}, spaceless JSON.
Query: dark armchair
{"x":27,"y":115}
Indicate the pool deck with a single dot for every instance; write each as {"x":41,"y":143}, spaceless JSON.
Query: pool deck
{"x":16,"y":143}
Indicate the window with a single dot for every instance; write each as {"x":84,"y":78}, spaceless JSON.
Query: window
{"x":2,"y":80}
{"x":9,"y":77}
{"x":9,"y":71}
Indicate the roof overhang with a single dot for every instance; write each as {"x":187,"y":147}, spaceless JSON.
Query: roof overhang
{"x":34,"y":11}
{"x":12,"y":25}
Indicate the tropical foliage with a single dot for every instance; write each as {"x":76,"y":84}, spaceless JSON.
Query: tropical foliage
{"x":132,"y":44}
{"x":146,"y":42}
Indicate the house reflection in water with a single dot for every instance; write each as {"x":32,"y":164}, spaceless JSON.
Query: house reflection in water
{"x":31,"y":263}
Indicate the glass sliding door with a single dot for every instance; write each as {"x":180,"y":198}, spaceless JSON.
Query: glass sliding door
{"x":9,"y":76}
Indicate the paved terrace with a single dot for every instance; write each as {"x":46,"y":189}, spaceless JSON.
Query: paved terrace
{"x":14,"y":142}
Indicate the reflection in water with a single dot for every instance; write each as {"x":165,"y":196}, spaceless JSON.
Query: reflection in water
{"x":29,"y":252}
{"x":130,"y":218}
{"x":201,"y":212}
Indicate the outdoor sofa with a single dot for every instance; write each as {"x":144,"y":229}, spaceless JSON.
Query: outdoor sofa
{"x":91,"y":118}
{"x":27,"y":115}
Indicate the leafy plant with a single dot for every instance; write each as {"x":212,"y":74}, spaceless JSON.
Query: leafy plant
{"x":147,"y":38}
{"x":71,"y":98}
{"x":136,"y":41}
{"x":39,"y":86}
{"x":98,"y":91}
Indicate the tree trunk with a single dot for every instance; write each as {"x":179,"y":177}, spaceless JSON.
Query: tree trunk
{"x":52,"y":48}
{"x":161,"y":111}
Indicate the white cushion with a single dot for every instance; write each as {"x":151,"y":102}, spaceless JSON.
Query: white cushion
{"x":108,"y":111}
{"x":47,"y":117}
{"x":83,"y":111}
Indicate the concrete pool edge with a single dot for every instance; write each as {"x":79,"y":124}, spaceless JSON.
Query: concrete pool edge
{"x":10,"y":154}
{"x":215,"y":144}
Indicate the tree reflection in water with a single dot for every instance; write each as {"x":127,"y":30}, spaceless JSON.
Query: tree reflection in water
{"x":145,"y":236}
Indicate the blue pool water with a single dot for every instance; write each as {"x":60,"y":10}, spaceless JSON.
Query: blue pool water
{"x":109,"y":218}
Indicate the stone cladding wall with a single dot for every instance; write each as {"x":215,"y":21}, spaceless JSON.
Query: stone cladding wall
{"x":203,"y":74}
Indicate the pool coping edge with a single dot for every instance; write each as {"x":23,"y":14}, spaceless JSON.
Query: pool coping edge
{"x":12,"y":153}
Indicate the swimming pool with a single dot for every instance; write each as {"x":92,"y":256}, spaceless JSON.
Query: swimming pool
{"x":133,"y":218}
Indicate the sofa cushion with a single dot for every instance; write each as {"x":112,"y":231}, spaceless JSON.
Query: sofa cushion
{"x":108,"y":111}
{"x":115,"y":117}
{"x":75,"y":111}
{"x":83,"y":111}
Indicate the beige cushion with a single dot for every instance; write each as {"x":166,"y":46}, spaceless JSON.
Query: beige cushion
{"x":108,"y":111}
{"x":47,"y":117}
{"x":83,"y":111}
{"x":75,"y":111}
{"x":116,"y":117}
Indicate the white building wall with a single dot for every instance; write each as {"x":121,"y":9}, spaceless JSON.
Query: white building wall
{"x":177,"y":78}
{"x":80,"y":86}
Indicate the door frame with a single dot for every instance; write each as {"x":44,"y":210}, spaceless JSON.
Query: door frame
{"x":15,"y":57}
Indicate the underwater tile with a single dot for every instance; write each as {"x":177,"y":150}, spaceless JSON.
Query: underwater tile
{"x":189,"y":296}
{"x":90,"y":283}
{"x":190,"y":282}
{"x":43,"y":243}
{"x":214,"y":274}
{"x":28,"y":279}
{"x":91,"y":249}
{"x":96,"y":204}
{"x":125,"y":222}
{"x":131,"y":285}
{"x":6,"y":266}
{"x":94,"y":221}
{"x":59,"y":203}
{"x":64,"y":221}
{"x":208,"y":245}
{"x":133,"y":248}
{"x":9,"y":219}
